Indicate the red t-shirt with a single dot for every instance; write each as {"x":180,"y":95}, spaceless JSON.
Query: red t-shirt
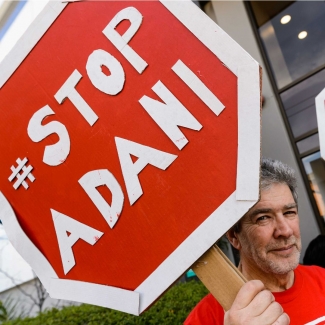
{"x":304,"y":302}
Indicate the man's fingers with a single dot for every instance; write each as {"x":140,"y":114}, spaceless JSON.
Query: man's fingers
{"x":255,"y":305}
{"x":284,"y":319}
{"x":271,"y":315}
{"x":260,"y":303}
{"x":247,"y":293}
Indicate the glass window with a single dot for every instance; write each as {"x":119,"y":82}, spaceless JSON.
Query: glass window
{"x":315,"y":169}
{"x":299,"y":104}
{"x":308,"y":144}
{"x":292,"y":40}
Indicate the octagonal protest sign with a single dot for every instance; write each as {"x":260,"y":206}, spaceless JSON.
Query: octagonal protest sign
{"x":130,"y":140}
{"x":320,"y":113}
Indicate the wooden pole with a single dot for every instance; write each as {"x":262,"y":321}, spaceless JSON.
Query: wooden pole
{"x":219,"y":275}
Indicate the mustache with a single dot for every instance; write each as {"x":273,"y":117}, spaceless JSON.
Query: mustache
{"x":280,"y":243}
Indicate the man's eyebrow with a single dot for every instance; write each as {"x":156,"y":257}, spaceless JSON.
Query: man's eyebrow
{"x":291,"y":206}
{"x":267,"y":210}
{"x":258,"y":211}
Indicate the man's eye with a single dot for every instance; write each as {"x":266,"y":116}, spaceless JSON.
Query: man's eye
{"x":291,"y":213}
{"x":262,"y":219}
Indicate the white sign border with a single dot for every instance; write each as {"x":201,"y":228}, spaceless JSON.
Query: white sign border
{"x":320,"y":113}
{"x":247,"y":71}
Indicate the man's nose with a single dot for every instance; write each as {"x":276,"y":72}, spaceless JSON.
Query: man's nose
{"x":282,"y":227}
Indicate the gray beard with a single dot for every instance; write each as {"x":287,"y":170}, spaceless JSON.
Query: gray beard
{"x":269,"y":266}
{"x":276,"y":268}
{"x":282,"y":266}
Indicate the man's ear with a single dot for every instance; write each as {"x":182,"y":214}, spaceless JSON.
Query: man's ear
{"x":233,"y":238}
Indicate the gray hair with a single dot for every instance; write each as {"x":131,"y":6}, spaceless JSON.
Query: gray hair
{"x":275,"y":172}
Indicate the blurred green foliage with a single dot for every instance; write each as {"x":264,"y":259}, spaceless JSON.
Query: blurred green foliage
{"x":171,"y":309}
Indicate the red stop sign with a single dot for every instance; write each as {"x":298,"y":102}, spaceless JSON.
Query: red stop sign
{"x":131,"y":140}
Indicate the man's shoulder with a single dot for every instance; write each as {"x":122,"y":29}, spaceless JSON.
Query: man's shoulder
{"x":312,"y":273}
{"x":210,"y":301}
{"x":207,"y":311}
{"x":310,"y":270}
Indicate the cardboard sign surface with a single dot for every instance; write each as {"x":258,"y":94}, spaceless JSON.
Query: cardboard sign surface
{"x":122,"y":142}
{"x":320,"y":113}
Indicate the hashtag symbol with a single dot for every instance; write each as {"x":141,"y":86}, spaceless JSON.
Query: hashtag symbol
{"x":26,"y":172}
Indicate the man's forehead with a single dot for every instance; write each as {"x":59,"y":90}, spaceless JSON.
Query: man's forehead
{"x":277,"y":196}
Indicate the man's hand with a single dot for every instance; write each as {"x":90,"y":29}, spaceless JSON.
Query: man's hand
{"x":254,"y":305}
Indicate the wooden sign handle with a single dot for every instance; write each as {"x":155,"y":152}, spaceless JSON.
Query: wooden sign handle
{"x":219,"y":275}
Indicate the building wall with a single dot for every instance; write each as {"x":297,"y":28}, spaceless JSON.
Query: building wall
{"x":232,"y":17}
{"x":25,"y":299}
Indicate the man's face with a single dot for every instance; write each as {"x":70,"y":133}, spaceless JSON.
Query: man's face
{"x":270,"y":235}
